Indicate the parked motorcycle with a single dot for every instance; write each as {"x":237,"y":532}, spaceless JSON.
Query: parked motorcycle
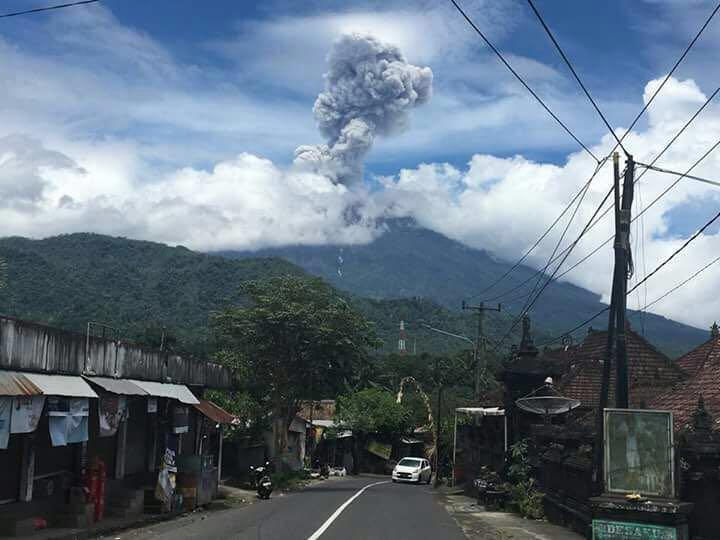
{"x":491,"y":491}
{"x":263,"y":482}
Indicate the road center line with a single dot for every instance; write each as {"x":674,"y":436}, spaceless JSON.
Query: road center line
{"x":339,"y":511}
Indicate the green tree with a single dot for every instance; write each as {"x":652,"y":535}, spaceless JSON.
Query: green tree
{"x":297,"y":338}
{"x":372,"y":411}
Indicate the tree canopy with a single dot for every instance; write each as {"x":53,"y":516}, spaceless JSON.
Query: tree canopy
{"x":374,"y":411}
{"x":297,"y":338}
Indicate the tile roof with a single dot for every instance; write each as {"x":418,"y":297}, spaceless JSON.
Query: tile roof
{"x":694,"y":360}
{"x":648,"y":370}
{"x":682,"y":399}
{"x":216,"y":413}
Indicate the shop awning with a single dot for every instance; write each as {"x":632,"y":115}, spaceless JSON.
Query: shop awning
{"x":16,"y":383}
{"x":482,"y":411}
{"x":122,"y":387}
{"x":166,"y":390}
{"x":216,"y":413}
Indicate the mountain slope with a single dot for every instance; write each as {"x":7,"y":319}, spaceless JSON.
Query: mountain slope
{"x":408,"y":261}
{"x":142,"y":287}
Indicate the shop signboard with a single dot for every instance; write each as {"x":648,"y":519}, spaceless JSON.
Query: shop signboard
{"x":621,"y":530}
{"x":181,"y":419}
{"x":639,"y":455}
{"x":379,"y":449}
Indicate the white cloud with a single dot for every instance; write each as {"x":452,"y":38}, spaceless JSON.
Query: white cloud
{"x":118,"y":142}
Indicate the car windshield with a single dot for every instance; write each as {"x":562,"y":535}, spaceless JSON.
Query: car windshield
{"x":408,"y":462}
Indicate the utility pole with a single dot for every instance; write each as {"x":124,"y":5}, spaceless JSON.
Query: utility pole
{"x":479,"y":351}
{"x":625,"y":270}
{"x":616,"y":340}
{"x":439,"y":382}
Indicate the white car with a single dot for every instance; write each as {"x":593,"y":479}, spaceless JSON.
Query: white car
{"x":412,"y":470}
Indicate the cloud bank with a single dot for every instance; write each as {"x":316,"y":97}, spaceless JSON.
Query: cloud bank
{"x":62,"y":172}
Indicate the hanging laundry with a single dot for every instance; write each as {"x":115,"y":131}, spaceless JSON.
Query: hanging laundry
{"x":68,"y":420}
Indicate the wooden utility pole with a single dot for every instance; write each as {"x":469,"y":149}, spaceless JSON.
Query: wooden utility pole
{"x":479,"y":352}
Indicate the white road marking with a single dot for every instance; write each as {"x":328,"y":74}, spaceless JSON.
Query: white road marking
{"x":317,"y":534}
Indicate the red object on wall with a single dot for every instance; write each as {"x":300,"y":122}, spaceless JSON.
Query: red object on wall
{"x":95,"y":487}
{"x":100,"y":499}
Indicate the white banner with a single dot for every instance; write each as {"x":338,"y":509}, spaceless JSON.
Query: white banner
{"x":68,"y":419}
{"x":26,"y":412}
{"x":113,"y":410}
{"x":5,"y":413}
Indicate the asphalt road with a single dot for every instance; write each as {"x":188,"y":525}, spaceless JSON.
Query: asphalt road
{"x":382,"y":511}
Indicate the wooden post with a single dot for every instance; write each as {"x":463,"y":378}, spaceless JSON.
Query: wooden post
{"x":120,"y":450}
{"x":152,"y":438}
{"x":220,"y":452}
{"x":27,"y":468}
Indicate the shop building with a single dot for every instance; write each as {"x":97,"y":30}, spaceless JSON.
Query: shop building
{"x":88,"y":427}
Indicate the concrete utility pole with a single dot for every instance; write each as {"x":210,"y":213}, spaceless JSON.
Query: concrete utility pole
{"x":616,"y":339}
{"x":623,"y":259}
{"x":439,"y":382}
{"x":479,"y":352}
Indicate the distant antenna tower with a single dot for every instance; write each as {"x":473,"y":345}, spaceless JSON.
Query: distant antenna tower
{"x":402,"y":349}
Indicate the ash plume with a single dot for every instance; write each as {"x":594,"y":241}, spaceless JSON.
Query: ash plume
{"x":369,"y":91}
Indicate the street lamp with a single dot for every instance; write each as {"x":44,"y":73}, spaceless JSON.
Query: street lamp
{"x":458,"y":336}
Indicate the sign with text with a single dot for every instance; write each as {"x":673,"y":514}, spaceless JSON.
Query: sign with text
{"x":619,"y":530}
{"x":639,"y":455}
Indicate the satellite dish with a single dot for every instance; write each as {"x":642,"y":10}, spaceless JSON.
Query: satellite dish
{"x":547,"y":401}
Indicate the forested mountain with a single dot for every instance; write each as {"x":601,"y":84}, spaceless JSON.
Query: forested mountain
{"x":408,"y":261}
{"x":407,"y":274}
{"x":142,"y":287}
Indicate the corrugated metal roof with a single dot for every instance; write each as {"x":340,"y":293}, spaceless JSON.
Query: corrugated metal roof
{"x":62,"y":385}
{"x":216,"y":413}
{"x":14,"y":383}
{"x":173,"y":391}
{"x":118,"y":386}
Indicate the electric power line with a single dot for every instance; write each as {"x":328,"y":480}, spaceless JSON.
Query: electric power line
{"x":647,"y":277}
{"x":677,"y":251}
{"x":519,"y":78}
{"x":572,"y":70}
{"x":644,"y":210}
{"x":647,"y":167}
{"x":632,"y":124}
{"x":552,"y":276}
{"x":562,"y":237}
{"x":47,"y":8}
{"x":689,"y":176}
{"x":681,"y":284}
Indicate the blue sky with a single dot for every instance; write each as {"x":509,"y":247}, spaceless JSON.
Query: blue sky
{"x":611,"y":43}
{"x":177,"y":121}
